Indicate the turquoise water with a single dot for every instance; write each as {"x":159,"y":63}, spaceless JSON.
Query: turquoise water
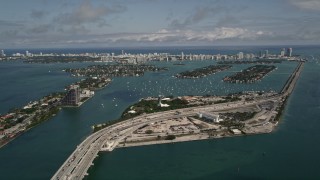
{"x":290,"y":152}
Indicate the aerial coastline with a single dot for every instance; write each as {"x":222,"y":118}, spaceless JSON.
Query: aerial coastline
{"x":260,"y":111}
{"x":166,"y":119}
{"x":20,"y":120}
{"x":149,"y":89}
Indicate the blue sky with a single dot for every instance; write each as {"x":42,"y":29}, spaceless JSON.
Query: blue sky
{"x":114,"y":23}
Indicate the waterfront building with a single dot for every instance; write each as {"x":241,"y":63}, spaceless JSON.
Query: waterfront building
{"x":2,"y":53}
{"x":261,"y":54}
{"x":224,"y":57}
{"x":73,"y":96}
{"x":210,"y":117}
{"x":159,"y":101}
{"x":266,"y":53}
{"x":240,"y":55}
{"x":18,"y":54}
{"x":289,"y":52}
{"x":252,"y":56}
{"x":218,"y":57}
{"x":282,"y":52}
{"x":28,"y":54}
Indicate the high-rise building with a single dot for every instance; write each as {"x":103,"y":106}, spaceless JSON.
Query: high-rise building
{"x":261,"y":54}
{"x":289,"y":52}
{"x":282,"y":52}
{"x":73,"y":96}
{"x":266,"y":53}
{"x":182,"y":56}
{"x":2,"y":53}
{"x":240,"y":55}
{"x":28,"y":54}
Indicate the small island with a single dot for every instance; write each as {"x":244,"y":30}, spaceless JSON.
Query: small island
{"x":250,"y":75}
{"x":265,"y":61}
{"x":114,"y":70}
{"x":202,"y":72}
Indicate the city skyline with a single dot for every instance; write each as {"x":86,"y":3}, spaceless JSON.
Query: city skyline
{"x":96,"y":23}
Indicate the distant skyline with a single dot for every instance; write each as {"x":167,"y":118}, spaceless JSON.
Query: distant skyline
{"x":116,"y":23}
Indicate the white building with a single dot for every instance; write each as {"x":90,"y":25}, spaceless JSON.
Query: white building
{"x":282,"y":52}
{"x":86,"y":93}
{"x":289,"y":52}
{"x":2,"y":53}
{"x":160,"y":104}
{"x":240,"y":55}
{"x":210,"y":117}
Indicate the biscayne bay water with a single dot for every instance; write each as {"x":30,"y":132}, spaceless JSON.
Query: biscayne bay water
{"x":289,"y":152}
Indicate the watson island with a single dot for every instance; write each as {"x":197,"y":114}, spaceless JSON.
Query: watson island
{"x":158,"y":120}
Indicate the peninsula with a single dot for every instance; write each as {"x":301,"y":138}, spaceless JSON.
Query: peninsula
{"x":205,"y":118}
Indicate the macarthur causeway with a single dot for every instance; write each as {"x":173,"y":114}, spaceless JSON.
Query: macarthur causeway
{"x":158,"y":120}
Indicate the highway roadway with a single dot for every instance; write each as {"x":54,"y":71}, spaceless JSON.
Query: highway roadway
{"x":76,"y":166}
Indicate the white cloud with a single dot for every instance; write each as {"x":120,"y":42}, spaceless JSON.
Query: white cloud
{"x":87,"y":13}
{"x":162,"y":36}
{"x":260,"y":33}
{"x":189,"y":35}
{"x":307,"y":4}
{"x":200,"y":14}
{"x":163,"y":31}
